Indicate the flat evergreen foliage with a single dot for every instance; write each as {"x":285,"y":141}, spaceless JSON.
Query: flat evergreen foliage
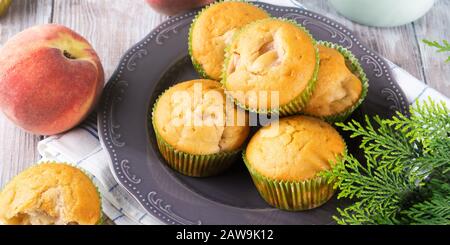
{"x":406,"y":177}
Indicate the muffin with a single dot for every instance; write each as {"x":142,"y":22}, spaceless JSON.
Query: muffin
{"x":271,"y":66}
{"x":341,"y":84}
{"x":198,"y":131}
{"x":213,"y":29}
{"x":284,"y":160}
{"x":50,"y":193}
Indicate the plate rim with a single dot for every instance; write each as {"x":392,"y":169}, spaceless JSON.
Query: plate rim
{"x":129,"y":58}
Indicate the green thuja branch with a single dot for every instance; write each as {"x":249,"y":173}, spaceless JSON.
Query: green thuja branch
{"x":406,"y":176}
{"x":436,"y":210}
{"x":444,"y":47}
{"x":384,"y":146}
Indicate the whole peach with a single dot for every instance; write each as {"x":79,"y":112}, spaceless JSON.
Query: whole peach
{"x":50,"y":79}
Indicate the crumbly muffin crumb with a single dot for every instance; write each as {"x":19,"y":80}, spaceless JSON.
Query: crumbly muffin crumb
{"x":270,"y":55}
{"x":213,"y":30}
{"x":50,"y":193}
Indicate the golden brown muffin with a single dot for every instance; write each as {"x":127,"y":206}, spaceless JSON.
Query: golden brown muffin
{"x":297,"y":149}
{"x":213,"y":29}
{"x":271,"y":55}
{"x":284,"y":160}
{"x":50,"y":193}
{"x":198,"y":131}
{"x":192,"y":117}
{"x":337,"y":90}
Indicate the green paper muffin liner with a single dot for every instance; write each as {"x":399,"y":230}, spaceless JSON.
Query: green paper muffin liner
{"x":298,"y":103}
{"x":4,"y":5}
{"x":194,"y":165}
{"x":102,"y":217}
{"x":292,"y":195}
{"x":356,"y":68}
{"x":197,"y":66}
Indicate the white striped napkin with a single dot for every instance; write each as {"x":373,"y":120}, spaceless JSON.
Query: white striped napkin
{"x":81,"y":147}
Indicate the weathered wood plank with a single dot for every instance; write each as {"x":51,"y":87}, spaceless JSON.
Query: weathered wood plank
{"x":396,"y":44}
{"x":18,"y":148}
{"x":434,"y":26}
{"x":111,"y":26}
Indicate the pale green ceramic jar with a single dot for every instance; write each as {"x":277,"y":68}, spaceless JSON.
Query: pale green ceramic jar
{"x":383,"y":13}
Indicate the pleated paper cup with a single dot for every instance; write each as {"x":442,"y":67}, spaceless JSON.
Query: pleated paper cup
{"x":292,"y":195}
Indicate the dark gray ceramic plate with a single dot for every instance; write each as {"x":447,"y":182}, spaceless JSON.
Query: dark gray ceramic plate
{"x":160,"y":60}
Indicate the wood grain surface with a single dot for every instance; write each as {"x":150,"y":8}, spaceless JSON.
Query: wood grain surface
{"x":112,"y":26}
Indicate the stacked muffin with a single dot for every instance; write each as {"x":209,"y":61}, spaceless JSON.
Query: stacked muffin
{"x":264,"y":65}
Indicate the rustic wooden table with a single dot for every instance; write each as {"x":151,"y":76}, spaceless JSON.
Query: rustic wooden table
{"x":112,"y":26}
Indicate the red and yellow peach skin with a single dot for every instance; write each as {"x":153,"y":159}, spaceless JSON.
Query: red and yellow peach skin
{"x":50,"y":79}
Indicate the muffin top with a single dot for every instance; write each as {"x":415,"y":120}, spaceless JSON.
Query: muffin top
{"x":269,"y":55}
{"x":337,"y":88}
{"x":213,"y":30}
{"x":297,"y":149}
{"x":50,"y":193}
{"x":195,"y":117}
